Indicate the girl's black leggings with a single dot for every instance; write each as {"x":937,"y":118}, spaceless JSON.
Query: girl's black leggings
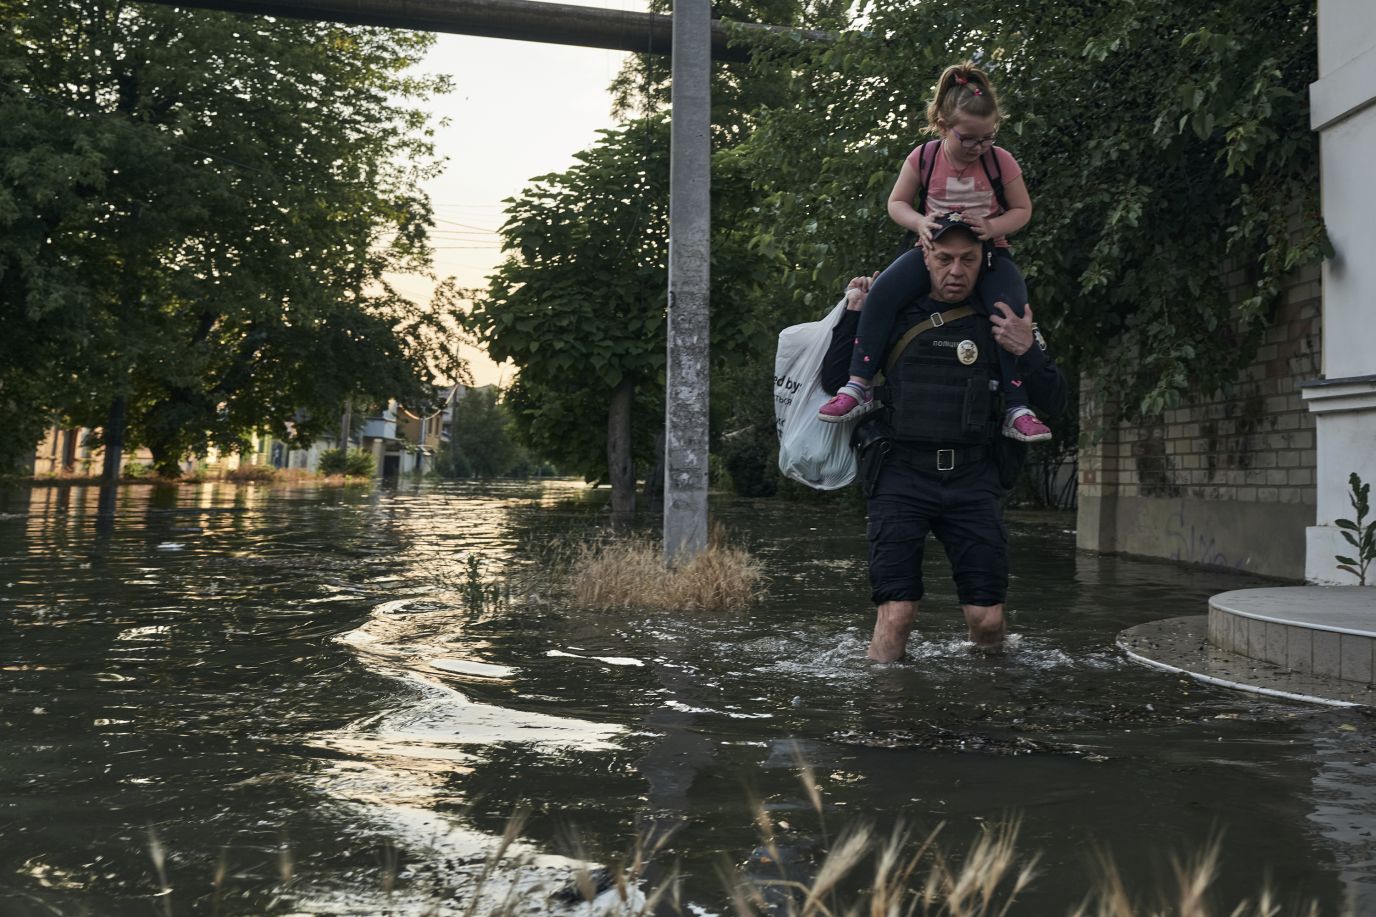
{"x":906,"y":281}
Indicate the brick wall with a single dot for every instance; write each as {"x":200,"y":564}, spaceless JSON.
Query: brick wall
{"x":1225,"y":481}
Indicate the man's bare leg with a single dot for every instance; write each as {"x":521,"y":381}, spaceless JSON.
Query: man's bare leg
{"x":892,"y":624}
{"x":986,"y":625}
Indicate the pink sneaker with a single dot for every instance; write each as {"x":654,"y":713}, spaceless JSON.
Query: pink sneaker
{"x":1022,"y":425}
{"x":850,"y":402}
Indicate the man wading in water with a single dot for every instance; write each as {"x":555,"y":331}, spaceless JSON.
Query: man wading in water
{"x":932,"y":459}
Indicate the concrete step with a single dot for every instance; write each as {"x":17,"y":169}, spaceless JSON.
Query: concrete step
{"x":1328,"y":631}
{"x":1181,"y":645}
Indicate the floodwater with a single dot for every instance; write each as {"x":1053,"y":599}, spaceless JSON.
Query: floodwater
{"x":331,"y":701}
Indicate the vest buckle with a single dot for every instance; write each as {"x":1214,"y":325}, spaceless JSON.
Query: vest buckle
{"x":945,"y":459}
{"x":937,"y":320}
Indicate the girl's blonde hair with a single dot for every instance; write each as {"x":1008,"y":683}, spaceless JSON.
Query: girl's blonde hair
{"x":962,"y":89}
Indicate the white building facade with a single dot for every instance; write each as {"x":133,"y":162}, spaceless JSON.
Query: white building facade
{"x":1344,"y":399}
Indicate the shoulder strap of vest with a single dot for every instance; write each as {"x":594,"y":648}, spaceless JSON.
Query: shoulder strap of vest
{"x":995,"y":176}
{"x":925,"y":167}
{"x":935,"y":321}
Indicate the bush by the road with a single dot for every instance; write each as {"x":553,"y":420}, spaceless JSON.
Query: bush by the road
{"x":355,"y":463}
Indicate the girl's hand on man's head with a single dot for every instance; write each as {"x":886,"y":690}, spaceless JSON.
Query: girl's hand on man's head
{"x":925,"y":225}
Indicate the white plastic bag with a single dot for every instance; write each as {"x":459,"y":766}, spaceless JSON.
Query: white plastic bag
{"x":812,"y":451}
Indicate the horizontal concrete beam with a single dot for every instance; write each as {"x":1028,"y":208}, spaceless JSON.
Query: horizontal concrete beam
{"x":1356,"y":393}
{"x":520,"y":20}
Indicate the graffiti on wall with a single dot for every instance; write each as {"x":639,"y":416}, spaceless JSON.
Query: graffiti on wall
{"x":1196,"y":544}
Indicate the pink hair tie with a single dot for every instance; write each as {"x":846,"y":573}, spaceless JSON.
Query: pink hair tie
{"x":965,"y":81}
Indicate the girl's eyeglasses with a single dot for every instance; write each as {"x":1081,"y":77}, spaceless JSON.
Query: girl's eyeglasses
{"x":971,"y":143}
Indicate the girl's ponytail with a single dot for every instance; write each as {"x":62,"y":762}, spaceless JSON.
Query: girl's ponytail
{"x":962,"y":88}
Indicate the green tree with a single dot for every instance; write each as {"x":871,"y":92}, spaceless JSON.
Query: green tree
{"x":579,"y":305}
{"x":352,"y":462}
{"x":1165,"y":143}
{"x":579,"y":302}
{"x":198,"y":212}
{"x":481,"y":442}
{"x":739,"y":90}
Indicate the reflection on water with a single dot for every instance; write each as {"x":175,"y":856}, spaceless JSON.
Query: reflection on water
{"x":338,"y":697}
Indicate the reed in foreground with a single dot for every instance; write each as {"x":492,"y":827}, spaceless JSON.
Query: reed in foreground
{"x":863,"y":874}
{"x":907,"y":874}
{"x":631,"y":573}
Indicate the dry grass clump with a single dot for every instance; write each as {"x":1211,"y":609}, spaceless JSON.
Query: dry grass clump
{"x":631,"y":573}
{"x":304,"y":476}
{"x":252,"y":474}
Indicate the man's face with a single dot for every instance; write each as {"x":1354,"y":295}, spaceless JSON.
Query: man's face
{"x":953,"y":261}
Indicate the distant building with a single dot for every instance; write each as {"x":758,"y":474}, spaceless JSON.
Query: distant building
{"x":68,"y":452}
{"x":422,"y":437}
{"x":401,"y":443}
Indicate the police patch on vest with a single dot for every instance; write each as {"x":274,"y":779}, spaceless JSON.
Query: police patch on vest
{"x":967,"y":352}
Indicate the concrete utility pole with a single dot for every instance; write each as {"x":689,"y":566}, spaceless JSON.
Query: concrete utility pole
{"x":690,"y":228}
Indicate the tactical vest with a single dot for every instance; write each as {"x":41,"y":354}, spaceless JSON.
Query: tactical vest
{"x":943,"y":388}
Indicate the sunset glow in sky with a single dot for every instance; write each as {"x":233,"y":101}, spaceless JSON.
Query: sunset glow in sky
{"x":519,"y":109}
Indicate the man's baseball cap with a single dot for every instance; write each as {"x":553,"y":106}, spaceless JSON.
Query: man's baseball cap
{"x":953,"y":222}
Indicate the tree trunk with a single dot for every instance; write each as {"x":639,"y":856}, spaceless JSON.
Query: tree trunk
{"x":344,"y":425}
{"x":620,"y":466}
{"x":166,"y":464}
{"x":69,"y":450}
{"x":25,"y":464}
{"x":113,"y":438}
{"x":654,"y":481}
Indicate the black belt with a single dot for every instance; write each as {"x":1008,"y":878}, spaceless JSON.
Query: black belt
{"x":934,"y":458}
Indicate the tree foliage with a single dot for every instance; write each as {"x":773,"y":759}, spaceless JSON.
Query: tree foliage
{"x":1166,"y":145}
{"x":578,"y":303}
{"x":481,"y":442}
{"x":352,"y":462}
{"x":739,"y":89}
{"x":198,"y":212}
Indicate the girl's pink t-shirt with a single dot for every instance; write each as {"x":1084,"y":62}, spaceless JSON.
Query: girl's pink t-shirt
{"x":967,"y":190}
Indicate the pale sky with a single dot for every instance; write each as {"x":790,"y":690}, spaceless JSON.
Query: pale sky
{"x":519,"y":109}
